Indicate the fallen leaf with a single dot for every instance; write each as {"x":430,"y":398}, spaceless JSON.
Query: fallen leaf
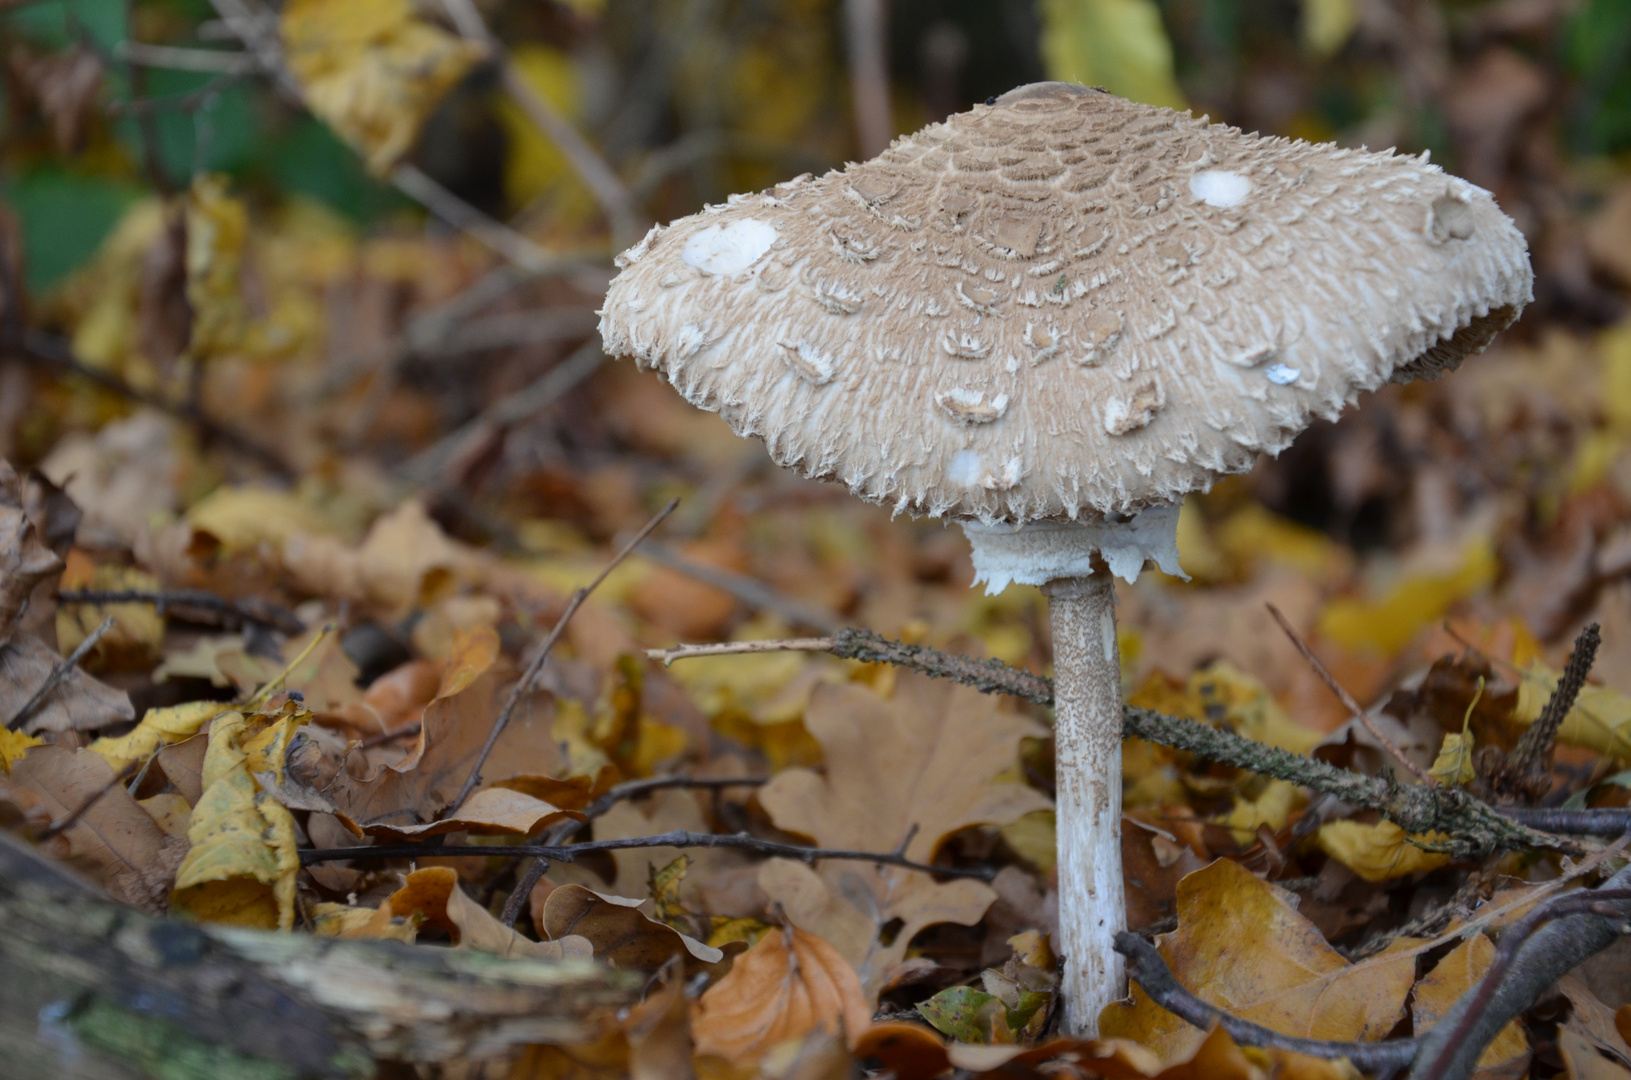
{"x":346,"y":921}
{"x":433,"y":896}
{"x":1378,"y":851}
{"x":929,"y":759}
{"x":1600,"y":719}
{"x":788,"y":985}
{"x":242,"y":867}
{"x":1594,"y":1021}
{"x":372,"y":70}
{"x":114,"y":836}
{"x":159,"y":728}
{"x":217,"y":229}
{"x":65,"y":86}
{"x":487,"y":812}
{"x":1508,"y":1055}
{"x":1241,"y":945}
{"x":1417,"y":600}
{"x":13,"y":744}
{"x":621,"y":934}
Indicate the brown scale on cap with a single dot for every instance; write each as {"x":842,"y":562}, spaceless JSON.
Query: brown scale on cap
{"x":1065,"y":304}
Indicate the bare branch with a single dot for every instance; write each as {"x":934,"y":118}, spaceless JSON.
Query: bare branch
{"x":737,"y":648}
{"x":1422,"y":775}
{"x":677,"y":838}
{"x":1527,"y":771}
{"x":535,"y":668}
{"x":208,"y":61}
{"x":248,"y":610}
{"x":59,"y":673}
{"x":1146,"y":967}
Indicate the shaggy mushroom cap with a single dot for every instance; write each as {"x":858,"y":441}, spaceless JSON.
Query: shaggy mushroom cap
{"x":1065,"y":305}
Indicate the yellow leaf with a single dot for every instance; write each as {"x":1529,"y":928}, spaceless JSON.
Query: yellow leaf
{"x":244,"y":518}
{"x":345,"y":921}
{"x":159,"y":728}
{"x":1253,"y":535}
{"x":1034,"y":839}
{"x":242,"y":866}
{"x":1615,"y":348}
{"x":137,"y":637}
{"x":1414,"y":602}
{"x":1600,"y":719}
{"x":1220,"y":694}
{"x":1117,"y":44}
{"x":217,"y":227}
{"x":372,"y":70}
{"x":1453,"y":765}
{"x":1376,"y":852}
{"x":1241,"y":945}
{"x":1328,"y":24}
{"x":13,"y":745}
{"x":1271,"y":807}
{"x":1442,"y":987}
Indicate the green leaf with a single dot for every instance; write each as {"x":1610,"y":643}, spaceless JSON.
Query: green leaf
{"x":964,"y":1013}
{"x":65,"y":216}
{"x":1117,"y":44}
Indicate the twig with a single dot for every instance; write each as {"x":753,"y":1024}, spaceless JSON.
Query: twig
{"x":1149,"y":970}
{"x":1527,"y":770}
{"x":1473,"y":826}
{"x":1598,"y":821}
{"x":735,"y":648}
{"x":1579,"y":925}
{"x":755,"y":594}
{"x":263,"y":612}
{"x":603,"y":183}
{"x":64,"y":824}
{"x":497,"y":236}
{"x":394,"y":734}
{"x":59,"y":673}
{"x":677,"y":838}
{"x":56,"y":353}
{"x":425,"y":466}
{"x":536,"y":868}
{"x":536,"y":667}
{"x":1422,"y":775}
{"x":208,"y":61}
{"x":866,"y":22}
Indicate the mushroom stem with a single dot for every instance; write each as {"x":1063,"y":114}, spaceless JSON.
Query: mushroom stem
{"x":1087,"y":736}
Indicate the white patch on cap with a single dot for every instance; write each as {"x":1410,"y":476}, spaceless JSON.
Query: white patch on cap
{"x":965,"y":468}
{"x":1280,"y":375}
{"x":730,"y":248}
{"x":1217,"y":187}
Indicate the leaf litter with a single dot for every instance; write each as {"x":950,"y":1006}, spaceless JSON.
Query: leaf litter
{"x":1439,"y":549}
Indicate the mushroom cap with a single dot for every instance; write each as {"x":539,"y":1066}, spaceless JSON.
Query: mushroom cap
{"x":1065,"y":305}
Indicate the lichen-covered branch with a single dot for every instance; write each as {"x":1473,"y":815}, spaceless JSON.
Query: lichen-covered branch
{"x":1473,"y":827}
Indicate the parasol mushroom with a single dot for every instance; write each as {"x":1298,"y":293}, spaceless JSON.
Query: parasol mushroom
{"x":1050,"y":319}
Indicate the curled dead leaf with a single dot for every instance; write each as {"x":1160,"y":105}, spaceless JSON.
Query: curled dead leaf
{"x":432,"y":896}
{"x":621,"y":934}
{"x":788,"y":985}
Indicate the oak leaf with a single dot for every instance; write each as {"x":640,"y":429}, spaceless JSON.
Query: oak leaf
{"x":928,"y":760}
{"x":788,"y":985}
{"x":1507,"y":1057}
{"x":1241,"y":945}
{"x":620,"y":933}
{"x":432,"y":896}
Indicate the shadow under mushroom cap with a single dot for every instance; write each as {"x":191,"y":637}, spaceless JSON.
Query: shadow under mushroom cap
{"x":1065,"y":304}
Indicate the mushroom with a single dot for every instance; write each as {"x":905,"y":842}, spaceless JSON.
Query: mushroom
{"x":1051,"y":318}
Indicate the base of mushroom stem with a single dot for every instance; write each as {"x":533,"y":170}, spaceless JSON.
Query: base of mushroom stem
{"x":1087,"y":752}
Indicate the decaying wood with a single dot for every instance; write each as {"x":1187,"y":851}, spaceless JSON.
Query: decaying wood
{"x":93,"y":990}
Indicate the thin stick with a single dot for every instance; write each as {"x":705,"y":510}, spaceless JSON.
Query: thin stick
{"x":1527,"y":770}
{"x":534,"y":669}
{"x":678,"y":838}
{"x":1595,"y":821}
{"x":262,"y":612}
{"x":735,"y":648}
{"x":755,"y":594}
{"x":633,"y":789}
{"x":1149,"y":970}
{"x":599,"y":177}
{"x":500,"y":238}
{"x":54,"y":352}
{"x":59,"y":673}
{"x":1348,"y":702}
{"x":1474,"y":826}
{"x":207,"y":61}
{"x":64,"y":824}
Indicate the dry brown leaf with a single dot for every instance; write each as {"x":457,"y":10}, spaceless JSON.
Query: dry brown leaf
{"x":620,"y":933}
{"x":788,"y":985}
{"x":134,"y":859}
{"x":1582,"y":1061}
{"x":487,"y":812}
{"x":1241,"y":945}
{"x":659,"y":1032}
{"x":433,"y":896}
{"x":1594,"y":1021}
{"x":64,"y":86}
{"x":455,"y":726}
{"x":929,"y":758}
{"x":1507,"y":1057}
